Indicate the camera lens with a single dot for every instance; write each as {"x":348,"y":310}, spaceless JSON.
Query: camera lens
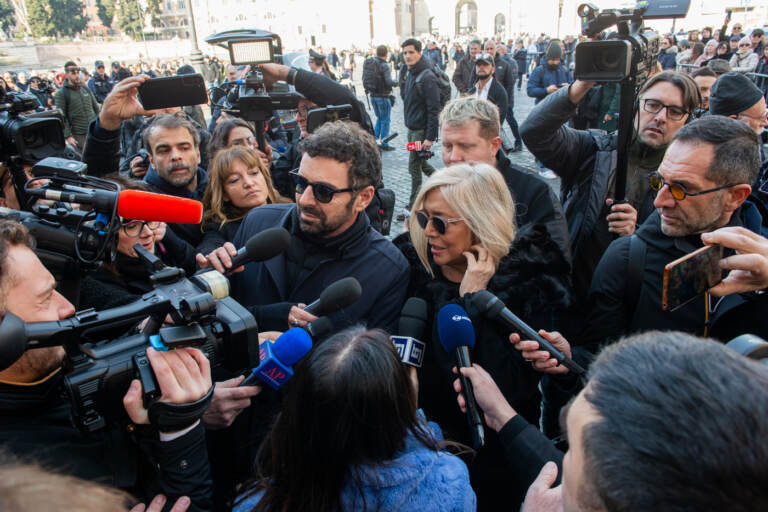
{"x":608,"y":60}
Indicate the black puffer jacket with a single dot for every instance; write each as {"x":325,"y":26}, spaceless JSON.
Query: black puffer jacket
{"x":532,"y":280}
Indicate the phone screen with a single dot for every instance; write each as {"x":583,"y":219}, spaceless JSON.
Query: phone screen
{"x":688,"y":277}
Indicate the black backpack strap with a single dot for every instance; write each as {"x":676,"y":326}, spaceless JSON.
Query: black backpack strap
{"x":635,"y":270}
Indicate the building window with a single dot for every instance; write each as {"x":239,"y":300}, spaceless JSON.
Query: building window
{"x":323,"y":28}
{"x":299,"y":29}
{"x":168,"y":6}
{"x":182,"y":5}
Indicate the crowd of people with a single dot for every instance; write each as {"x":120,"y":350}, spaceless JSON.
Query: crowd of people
{"x":666,"y":416}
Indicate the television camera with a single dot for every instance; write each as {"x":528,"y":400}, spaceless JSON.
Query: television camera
{"x":99,"y":366}
{"x":248,"y":98}
{"x":626,"y":56}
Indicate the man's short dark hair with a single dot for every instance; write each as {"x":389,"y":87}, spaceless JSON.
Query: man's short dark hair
{"x":477,"y":42}
{"x":347,"y":143}
{"x":70,"y":64}
{"x":412,"y":42}
{"x":705,"y":71}
{"x":758,"y":32}
{"x":737,"y":152}
{"x":169,"y":122}
{"x":682,"y":426}
{"x":11,"y":233}
{"x":381,"y":51}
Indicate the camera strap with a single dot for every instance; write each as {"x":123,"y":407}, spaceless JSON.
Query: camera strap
{"x":168,"y":417}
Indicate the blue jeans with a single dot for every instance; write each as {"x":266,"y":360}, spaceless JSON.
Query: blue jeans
{"x":382,"y":108}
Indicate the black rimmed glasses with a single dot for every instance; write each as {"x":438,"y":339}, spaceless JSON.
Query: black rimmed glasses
{"x":133,"y":228}
{"x":674,"y":112}
{"x":678,"y":191}
{"x":439,"y":223}
{"x":322,"y":192}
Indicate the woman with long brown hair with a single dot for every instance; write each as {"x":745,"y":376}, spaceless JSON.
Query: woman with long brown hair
{"x":239,"y":181}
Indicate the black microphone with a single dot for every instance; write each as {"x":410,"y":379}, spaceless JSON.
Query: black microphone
{"x":263,"y":246}
{"x":493,"y":308}
{"x":337,"y":296}
{"x":260,"y":247}
{"x":457,"y":335}
{"x":410,"y":327}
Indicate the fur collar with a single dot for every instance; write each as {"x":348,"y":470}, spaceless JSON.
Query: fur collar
{"x":534,"y":275}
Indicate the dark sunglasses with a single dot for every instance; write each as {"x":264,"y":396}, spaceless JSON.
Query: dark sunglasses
{"x":678,"y":191}
{"x":439,"y":223}
{"x":322,"y":192}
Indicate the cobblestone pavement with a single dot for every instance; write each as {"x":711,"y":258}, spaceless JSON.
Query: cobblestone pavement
{"x":395,"y":163}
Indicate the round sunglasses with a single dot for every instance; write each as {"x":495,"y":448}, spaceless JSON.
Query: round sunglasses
{"x":678,"y":191}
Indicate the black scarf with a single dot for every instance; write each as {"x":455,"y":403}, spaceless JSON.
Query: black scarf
{"x":307,"y":251}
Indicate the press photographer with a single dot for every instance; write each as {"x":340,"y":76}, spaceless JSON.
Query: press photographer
{"x":36,"y":418}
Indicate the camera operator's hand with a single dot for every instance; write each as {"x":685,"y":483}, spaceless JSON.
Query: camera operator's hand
{"x":228,"y":401}
{"x":297,"y":317}
{"x":578,"y":90}
{"x":273,"y":72}
{"x":72,"y":142}
{"x":541,"y":359}
{"x":123,"y":103}
{"x":220,"y":259}
{"x":269,"y":336}
{"x":496,"y":409}
{"x":158,"y":502}
{"x":184,"y":376}
{"x":748,"y":267}
{"x":138,"y":170}
{"x":541,"y":496}
{"x":622,"y":219}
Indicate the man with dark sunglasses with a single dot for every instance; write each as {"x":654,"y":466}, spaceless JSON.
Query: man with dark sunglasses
{"x":331,"y":239}
{"x":703,"y":183}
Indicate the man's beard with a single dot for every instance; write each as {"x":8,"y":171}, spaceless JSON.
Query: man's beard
{"x":482,"y":77}
{"x":323,"y":226}
{"x":179,"y":180}
{"x":553,"y":66}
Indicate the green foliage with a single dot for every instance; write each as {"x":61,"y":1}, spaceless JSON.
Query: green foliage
{"x":106,"y":11}
{"x":130,"y":17}
{"x":56,"y":18}
{"x":7,"y":15}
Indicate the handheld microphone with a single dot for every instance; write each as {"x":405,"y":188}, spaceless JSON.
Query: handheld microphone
{"x":131,"y":204}
{"x":413,"y":321}
{"x":316,"y":330}
{"x":263,"y":246}
{"x":277,"y":357}
{"x":337,"y":296}
{"x":493,"y":308}
{"x":457,"y":334}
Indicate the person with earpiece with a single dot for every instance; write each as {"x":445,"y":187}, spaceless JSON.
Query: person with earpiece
{"x":586,"y":162}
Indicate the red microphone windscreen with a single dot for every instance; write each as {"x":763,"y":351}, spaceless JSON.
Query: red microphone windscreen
{"x":140,"y":205}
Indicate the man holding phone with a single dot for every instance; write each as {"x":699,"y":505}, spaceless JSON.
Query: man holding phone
{"x":703,"y":183}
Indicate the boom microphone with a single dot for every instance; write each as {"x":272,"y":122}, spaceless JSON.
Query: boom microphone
{"x":457,"y":334}
{"x":410,"y":327}
{"x":337,"y":296}
{"x":493,"y":308}
{"x":131,"y":204}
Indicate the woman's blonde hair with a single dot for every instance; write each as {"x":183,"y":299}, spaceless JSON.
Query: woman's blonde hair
{"x":480,"y":196}
{"x":216,"y":208}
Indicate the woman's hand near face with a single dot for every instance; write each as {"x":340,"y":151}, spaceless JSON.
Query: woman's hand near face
{"x":480,"y":269}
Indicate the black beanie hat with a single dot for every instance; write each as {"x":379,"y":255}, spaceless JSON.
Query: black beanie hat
{"x":732,"y":94}
{"x":553,"y":50}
